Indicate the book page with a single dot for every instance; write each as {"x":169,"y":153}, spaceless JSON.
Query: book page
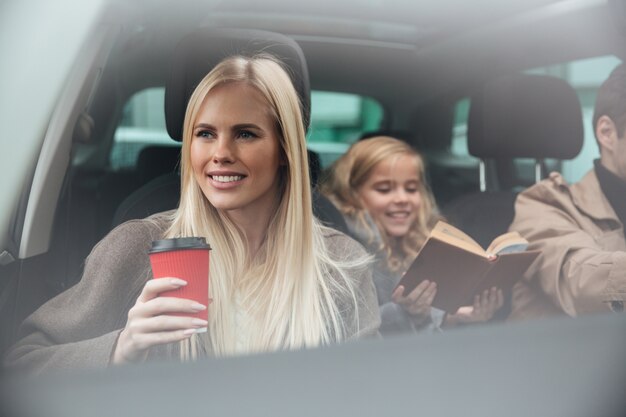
{"x":450,"y":234}
{"x":507,"y":243}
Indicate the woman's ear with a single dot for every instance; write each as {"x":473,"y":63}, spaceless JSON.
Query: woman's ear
{"x":606,"y":133}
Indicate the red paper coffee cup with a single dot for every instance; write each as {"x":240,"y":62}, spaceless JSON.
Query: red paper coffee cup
{"x":186,"y":258}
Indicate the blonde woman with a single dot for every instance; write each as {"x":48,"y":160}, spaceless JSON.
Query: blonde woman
{"x":279,"y":280}
{"x":380,"y":188}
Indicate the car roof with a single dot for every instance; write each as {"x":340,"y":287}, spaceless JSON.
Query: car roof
{"x":385,"y":49}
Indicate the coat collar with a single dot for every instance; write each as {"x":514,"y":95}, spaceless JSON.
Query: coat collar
{"x":588,"y":197}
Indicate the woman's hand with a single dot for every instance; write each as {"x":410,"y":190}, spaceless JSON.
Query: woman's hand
{"x":485,"y":306}
{"x":418,"y":301}
{"x":149,"y":325}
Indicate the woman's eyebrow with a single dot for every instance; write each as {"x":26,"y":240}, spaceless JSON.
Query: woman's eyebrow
{"x":246,"y":126}
{"x":234,"y":127}
{"x":204,"y":126}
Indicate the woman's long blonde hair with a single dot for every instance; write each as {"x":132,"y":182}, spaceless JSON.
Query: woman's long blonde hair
{"x":285,"y":290}
{"x":352,"y":170}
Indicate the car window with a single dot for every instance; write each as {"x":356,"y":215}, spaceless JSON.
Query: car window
{"x":585,"y":76}
{"x":337,"y":120}
{"x":142,"y":124}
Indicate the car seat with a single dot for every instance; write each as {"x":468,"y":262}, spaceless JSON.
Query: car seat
{"x":515,"y":116}
{"x":194,"y":57}
{"x":156,"y":160}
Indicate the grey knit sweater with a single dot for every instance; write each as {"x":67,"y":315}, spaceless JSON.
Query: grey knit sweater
{"x":79,"y":328}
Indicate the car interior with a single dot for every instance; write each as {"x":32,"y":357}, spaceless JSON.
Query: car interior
{"x":513,"y":117}
{"x":419,"y":79}
{"x":495,"y":95}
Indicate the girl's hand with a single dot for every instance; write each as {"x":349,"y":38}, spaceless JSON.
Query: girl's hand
{"x":485,"y":306}
{"x":149,"y":324}
{"x":418,"y":301}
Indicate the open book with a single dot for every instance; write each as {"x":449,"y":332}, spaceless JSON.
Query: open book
{"x":462,"y":268}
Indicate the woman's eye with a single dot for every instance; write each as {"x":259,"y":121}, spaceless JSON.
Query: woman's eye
{"x":411,"y":190}
{"x":246,"y":134}
{"x":204,"y":134}
{"x":383,"y":190}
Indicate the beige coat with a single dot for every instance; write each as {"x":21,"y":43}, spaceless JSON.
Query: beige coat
{"x":582,"y":268}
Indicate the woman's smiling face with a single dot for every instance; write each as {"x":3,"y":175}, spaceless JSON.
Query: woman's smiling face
{"x":391,"y":194}
{"x":235,"y":151}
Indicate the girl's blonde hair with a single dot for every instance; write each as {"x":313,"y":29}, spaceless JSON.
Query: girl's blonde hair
{"x":352,"y":170}
{"x":285,"y":291}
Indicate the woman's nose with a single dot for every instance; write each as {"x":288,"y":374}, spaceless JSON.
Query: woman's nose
{"x":224,"y":152}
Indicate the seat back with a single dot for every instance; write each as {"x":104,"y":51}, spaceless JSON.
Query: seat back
{"x":156,"y":160}
{"x":516,"y":116}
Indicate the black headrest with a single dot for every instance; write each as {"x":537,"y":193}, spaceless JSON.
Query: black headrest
{"x":199,"y":52}
{"x":525,"y":116}
{"x":315,"y":167}
{"x":155,"y":160}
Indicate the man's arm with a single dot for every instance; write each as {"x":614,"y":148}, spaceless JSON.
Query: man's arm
{"x":577,"y":271}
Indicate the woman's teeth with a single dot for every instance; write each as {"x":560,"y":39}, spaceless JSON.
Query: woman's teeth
{"x":227,"y":178}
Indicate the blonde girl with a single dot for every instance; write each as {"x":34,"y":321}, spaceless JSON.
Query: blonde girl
{"x":379,"y":186}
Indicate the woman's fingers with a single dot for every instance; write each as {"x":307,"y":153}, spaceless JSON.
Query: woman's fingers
{"x":151,"y":321}
{"x":137,"y":343}
{"x":156,"y":286}
{"x":166,"y":323}
{"x":144,"y":333}
{"x":165,"y":305}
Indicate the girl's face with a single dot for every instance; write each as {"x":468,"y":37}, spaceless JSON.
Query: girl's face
{"x":391,"y":194}
{"x":235,"y":152}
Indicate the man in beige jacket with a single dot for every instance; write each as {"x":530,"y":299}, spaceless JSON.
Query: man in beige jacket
{"x":579,"y":228}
